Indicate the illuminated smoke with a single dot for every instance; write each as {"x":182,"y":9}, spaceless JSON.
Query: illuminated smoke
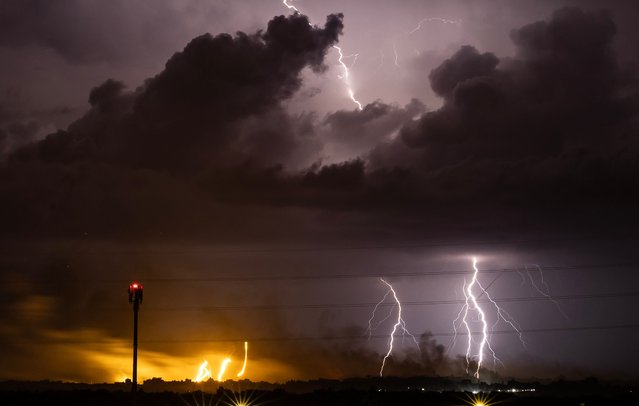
{"x":346,"y":75}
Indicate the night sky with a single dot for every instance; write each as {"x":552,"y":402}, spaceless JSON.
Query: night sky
{"x":211,"y":151}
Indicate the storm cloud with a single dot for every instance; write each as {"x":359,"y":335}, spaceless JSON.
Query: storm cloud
{"x":209,"y":151}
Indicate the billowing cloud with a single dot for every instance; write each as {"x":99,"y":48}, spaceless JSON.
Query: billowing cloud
{"x":554,"y":123}
{"x":352,"y":134}
{"x":186,"y":116}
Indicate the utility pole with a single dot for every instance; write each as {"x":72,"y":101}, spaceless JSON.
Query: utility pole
{"x":135,"y":297}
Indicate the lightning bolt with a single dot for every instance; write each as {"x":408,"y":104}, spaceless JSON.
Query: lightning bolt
{"x":430,"y":19}
{"x":290,"y":6}
{"x":472,"y":305}
{"x":399,"y":324}
{"x":396,"y":56}
{"x":245,"y":359}
{"x":546,"y":289}
{"x":417,"y":28}
{"x":345,"y":76}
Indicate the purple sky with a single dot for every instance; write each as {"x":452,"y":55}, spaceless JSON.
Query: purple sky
{"x":210,"y":149}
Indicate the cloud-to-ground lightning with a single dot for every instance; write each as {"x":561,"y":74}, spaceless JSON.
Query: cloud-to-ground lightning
{"x":345,"y":77}
{"x":399,"y":323}
{"x":245,"y":359}
{"x":472,"y":305}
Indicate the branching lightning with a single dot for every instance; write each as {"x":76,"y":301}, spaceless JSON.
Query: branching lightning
{"x":399,"y":324}
{"x":472,"y":306}
{"x":345,"y":77}
{"x":544,"y":290}
{"x":430,"y":19}
{"x":417,"y":28}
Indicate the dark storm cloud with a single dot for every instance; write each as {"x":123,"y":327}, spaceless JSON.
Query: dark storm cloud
{"x":214,"y":111}
{"x":554,"y":125}
{"x":186,"y":116}
{"x":355,"y":132}
{"x":18,"y":126}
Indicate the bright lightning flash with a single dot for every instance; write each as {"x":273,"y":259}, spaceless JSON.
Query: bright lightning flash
{"x":472,"y":305}
{"x":399,"y":323}
{"x":346,"y":74}
{"x":290,"y":6}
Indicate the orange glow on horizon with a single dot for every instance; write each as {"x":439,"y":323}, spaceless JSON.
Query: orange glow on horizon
{"x":108,"y":359}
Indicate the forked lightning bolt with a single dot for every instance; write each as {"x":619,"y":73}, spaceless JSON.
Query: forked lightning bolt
{"x":417,"y":28}
{"x":345,"y":76}
{"x":399,"y":323}
{"x":472,"y":306}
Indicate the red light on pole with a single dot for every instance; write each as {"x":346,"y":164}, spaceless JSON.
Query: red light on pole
{"x":135,"y":296}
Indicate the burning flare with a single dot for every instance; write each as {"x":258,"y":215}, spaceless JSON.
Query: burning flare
{"x":245,"y":359}
{"x":204,"y":373}
{"x":225,"y":363}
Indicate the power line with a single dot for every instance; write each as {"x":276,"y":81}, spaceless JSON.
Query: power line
{"x":389,"y":304}
{"x":342,"y":337}
{"x":374,"y":336}
{"x":374,"y":246}
{"x":261,"y":278}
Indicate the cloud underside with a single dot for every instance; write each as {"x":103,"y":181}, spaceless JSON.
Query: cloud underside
{"x":205,"y":148}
